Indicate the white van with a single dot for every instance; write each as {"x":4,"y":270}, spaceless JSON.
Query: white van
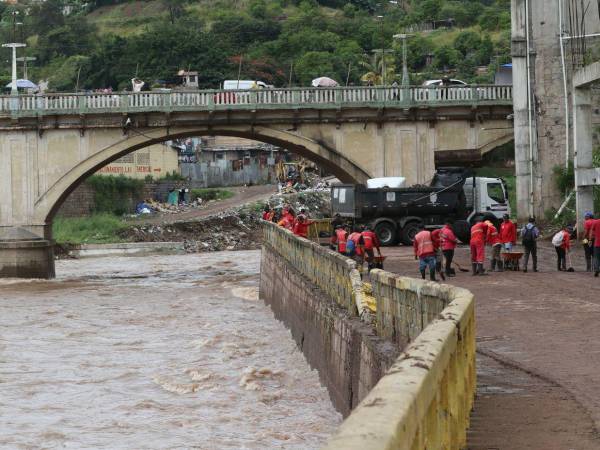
{"x":229,"y":85}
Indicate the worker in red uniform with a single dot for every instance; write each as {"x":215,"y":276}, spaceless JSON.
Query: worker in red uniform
{"x":358,"y":246}
{"x":268,"y":213}
{"x":370,"y":242}
{"x":493,"y":239}
{"x":478,"y":238}
{"x":340,"y":237}
{"x":563,"y":239}
{"x":588,"y":240}
{"x":595,"y":234}
{"x":508,"y":233}
{"x":424,"y":252}
{"x":301,"y":226}
{"x":449,"y":241}
{"x":437,"y":248}
{"x":288,"y":219}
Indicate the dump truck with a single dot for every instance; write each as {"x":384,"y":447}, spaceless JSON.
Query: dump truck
{"x":395,"y":213}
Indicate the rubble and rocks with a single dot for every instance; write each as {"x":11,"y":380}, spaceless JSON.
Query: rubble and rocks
{"x":227,"y":231}
{"x":235,"y":229}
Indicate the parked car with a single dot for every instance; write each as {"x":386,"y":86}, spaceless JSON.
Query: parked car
{"x":451,"y":82}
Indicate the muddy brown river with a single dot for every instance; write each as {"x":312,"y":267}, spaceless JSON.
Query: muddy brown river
{"x":170,"y":352}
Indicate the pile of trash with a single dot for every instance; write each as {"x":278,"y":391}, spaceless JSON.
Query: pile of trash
{"x":317,"y":203}
{"x":227,"y":231}
{"x":153,"y":207}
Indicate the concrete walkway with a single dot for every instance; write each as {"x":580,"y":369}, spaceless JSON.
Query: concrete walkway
{"x":538,"y":354}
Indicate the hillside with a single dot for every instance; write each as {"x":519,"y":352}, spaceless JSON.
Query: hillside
{"x":105,"y":43}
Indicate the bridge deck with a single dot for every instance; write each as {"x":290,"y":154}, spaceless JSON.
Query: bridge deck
{"x":293,"y":98}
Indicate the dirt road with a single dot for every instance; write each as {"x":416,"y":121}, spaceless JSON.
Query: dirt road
{"x":243,"y":195}
{"x":538,"y":354}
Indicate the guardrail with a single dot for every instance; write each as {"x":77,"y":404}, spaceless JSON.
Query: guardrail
{"x":425,"y":398}
{"x":253,"y":99}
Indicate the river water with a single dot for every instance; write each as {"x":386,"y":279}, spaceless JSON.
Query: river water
{"x":154,"y":352}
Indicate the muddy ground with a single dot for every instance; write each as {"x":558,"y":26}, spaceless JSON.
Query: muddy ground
{"x":538,"y":353}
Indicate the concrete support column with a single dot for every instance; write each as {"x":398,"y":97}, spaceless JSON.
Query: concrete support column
{"x":25,"y":255}
{"x":585,"y":177}
{"x":522,"y":115}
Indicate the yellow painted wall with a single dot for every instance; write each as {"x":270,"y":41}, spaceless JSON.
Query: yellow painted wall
{"x":156,"y":160}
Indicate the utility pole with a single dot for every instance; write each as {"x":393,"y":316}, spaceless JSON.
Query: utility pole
{"x":405,"y":76}
{"x":14,"y":90}
{"x":25,"y":59}
{"x":383,"y":74}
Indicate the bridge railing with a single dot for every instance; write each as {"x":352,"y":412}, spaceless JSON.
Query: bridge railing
{"x":392,"y":96}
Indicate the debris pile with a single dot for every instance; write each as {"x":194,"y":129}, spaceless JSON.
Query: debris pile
{"x":227,"y":231}
{"x":317,"y":203}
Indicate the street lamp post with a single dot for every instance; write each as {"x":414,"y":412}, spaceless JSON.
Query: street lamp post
{"x":405,"y":76}
{"x":24,"y":60}
{"x":383,"y":74}
{"x":14,"y":46}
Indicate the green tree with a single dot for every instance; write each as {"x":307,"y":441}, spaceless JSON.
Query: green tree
{"x":375,"y":66}
{"x":314,"y":64}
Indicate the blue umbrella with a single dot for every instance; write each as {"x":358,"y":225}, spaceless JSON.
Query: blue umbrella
{"x":23,"y":84}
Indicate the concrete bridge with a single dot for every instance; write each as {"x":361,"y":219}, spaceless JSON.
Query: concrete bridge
{"x":51,"y":143}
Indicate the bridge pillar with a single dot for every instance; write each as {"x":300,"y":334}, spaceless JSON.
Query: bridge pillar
{"x":26,"y":247}
{"x":25,"y":255}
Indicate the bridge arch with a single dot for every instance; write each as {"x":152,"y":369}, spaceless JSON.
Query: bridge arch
{"x":330,"y":159}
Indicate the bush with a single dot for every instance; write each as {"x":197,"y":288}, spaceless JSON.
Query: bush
{"x":115,"y":195}
{"x":211,"y":194}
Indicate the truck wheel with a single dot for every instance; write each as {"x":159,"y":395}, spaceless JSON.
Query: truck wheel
{"x":462,"y":229}
{"x":409,"y":231}
{"x":386,"y":232}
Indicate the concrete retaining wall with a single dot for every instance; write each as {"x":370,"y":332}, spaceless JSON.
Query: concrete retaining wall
{"x":425,"y":398}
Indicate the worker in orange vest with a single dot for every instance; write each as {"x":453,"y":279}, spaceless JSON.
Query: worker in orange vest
{"x":424,"y":252}
{"x":357,"y":251}
{"x":478,"y":237}
{"x":340,"y":237}
{"x":493,"y":239}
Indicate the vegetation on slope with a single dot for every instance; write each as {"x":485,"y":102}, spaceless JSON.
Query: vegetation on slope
{"x":105,"y":43}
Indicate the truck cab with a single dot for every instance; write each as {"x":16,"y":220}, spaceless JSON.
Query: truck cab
{"x":486,"y":197}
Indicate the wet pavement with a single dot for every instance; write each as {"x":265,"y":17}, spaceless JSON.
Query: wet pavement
{"x":538,"y":359}
{"x":154,"y":352}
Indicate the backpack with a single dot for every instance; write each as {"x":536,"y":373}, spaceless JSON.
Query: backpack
{"x":350,"y":247}
{"x":528,"y":237}
{"x":557,"y":240}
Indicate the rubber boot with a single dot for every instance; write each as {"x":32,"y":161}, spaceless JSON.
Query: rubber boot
{"x":493,"y":269}
{"x":588,"y":265}
{"x":481,"y":270}
{"x":474,"y":269}
{"x":500,"y":266}
{"x":423,"y":273}
{"x":432,"y":275}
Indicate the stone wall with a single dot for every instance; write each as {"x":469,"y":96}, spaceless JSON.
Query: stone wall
{"x":420,"y":399}
{"x":348,"y":355}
